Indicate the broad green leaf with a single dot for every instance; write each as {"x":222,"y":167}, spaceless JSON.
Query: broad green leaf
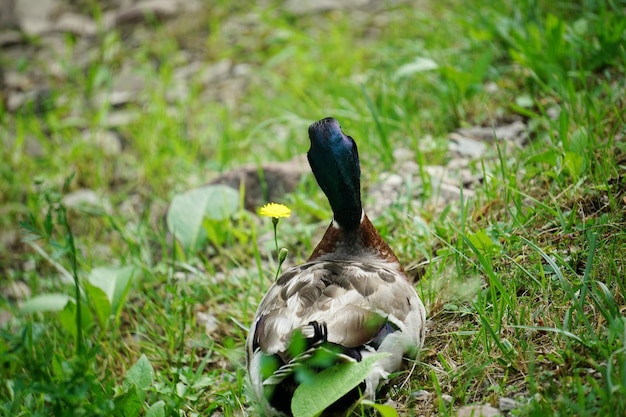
{"x":99,"y":302}
{"x":217,"y":232}
{"x":383,"y":409}
{"x":115,"y":282}
{"x":156,"y":410}
{"x":67,"y":318}
{"x":129,"y":404}
{"x":187,"y":212}
{"x":419,"y":64}
{"x":140,"y":375}
{"x":181,"y":389}
{"x":574,"y":164}
{"x":45,"y":303}
{"x":326,"y":387}
{"x":481,"y":241}
{"x":548,"y":157}
{"x":578,"y":142}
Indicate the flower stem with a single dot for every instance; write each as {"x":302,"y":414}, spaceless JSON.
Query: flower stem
{"x":275,"y":222}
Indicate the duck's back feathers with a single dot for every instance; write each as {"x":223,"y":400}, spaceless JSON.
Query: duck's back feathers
{"x":353,"y":299}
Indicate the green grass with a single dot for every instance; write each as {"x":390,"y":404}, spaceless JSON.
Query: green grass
{"x":524,"y":283}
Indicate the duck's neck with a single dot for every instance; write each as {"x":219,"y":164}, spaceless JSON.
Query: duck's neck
{"x":361,"y":243}
{"x":344,"y":197}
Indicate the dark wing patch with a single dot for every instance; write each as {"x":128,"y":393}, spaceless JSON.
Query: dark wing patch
{"x":368,"y":268}
{"x":292,"y":290}
{"x":288,"y":275}
{"x":386,"y":276}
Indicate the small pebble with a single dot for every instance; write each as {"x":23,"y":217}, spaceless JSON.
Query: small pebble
{"x":421,"y":395}
{"x":17,"y":290}
{"x":446,"y":398}
{"x":482,"y":410}
{"x":106,"y":140}
{"x":507,"y":404}
{"x":5,"y":318}
{"x":81,"y":197}
{"x":208,"y":320}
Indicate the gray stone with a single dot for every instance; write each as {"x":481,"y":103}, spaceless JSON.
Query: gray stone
{"x":106,"y":140}
{"x":139,"y":12}
{"x":303,"y":7}
{"x":511,"y":132}
{"x":384,"y":193}
{"x":178,"y":91}
{"x":17,"y":290}
{"x":216,"y":72}
{"x":279,"y":178}
{"x":446,"y":398}
{"x":514,"y":132}
{"x":187,"y":71}
{"x":466,"y":146}
{"x":119,"y":118}
{"x":7,"y":14}
{"x":491,"y":87}
{"x":393,"y":180}
{"x":17,"y":80}
{"x":33,"y":147}
{"x":208,"y":320}
{"x":5,"y":317}
{"x":10,"y":38}
{"x":458,"y":163}
{"x":77,"y":24}
{"x":553,"y":112}
{"x":483,"y":410}
{"x":83,"y":198}
{"x":507,"y":404}
{"x":242,"y":70}
{"x":403,"y":154}
{"x":143,"y":11}
{"x":409,"y":168}
{"x":29,"y":265}
{"x":126,"y":88}
{"x":131,"y":206}
{"x":445,"y":193}
{"x":79,"y":197}
{"x":421,"y":395}
{"x":436,"y":172}
{"x":33,"y":16}
{"x":15,"y":100}
{"x":40,"y":99}
{"x":8,"y":238}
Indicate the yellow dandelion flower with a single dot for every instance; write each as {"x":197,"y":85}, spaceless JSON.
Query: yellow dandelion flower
{"x":275,"y":210}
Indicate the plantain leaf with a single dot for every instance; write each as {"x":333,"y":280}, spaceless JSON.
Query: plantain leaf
{"x":383,"y":409}
{"x":322,"y":389}
{"x":45,"y":303}
{"x":99,"y":302}
{"x":140,"y":375}
{"x":187,"y":212}
{"x":157,"y":409}
{"x":128,"y":404}
{"x":115,"y":282}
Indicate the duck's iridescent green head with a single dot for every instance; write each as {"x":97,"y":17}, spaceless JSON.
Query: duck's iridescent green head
{"x":334,"y":159}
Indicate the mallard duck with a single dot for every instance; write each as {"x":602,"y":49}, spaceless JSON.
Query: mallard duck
{"x":351,"y":295}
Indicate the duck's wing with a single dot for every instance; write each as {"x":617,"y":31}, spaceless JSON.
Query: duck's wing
{"x":354,"y":302}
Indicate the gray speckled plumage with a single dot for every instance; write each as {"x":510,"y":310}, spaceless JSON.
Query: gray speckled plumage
{"x":346,"y":295}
